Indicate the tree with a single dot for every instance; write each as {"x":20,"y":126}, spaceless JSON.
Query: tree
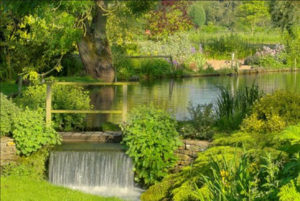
{"x":197,"y":14}
{"x":285,"y":14}
{"x":253,"y":13}
{"x":89,"y":17}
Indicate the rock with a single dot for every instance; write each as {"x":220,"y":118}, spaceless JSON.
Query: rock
{"x":8,"y":151}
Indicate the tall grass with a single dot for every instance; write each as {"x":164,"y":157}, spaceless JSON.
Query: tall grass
{"x":232,"y":107}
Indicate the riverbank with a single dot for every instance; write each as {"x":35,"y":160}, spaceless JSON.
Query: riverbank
{"x":229,"y":72}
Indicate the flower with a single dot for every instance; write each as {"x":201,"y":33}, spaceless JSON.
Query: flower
{"x":200,"y":48}
{"x":193,"y":50}
{"x":148,"y":32}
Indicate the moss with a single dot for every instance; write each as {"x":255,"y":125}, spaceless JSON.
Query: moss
{"x":160,"y":191}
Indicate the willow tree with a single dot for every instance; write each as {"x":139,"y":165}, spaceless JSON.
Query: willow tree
{"x":88,"y":17}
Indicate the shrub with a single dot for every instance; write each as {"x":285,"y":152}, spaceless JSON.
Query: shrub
{"x":232,"y":108}
{"x":195,"y":62}
{"x":274,"y":112}
{"x":33,"y":165}
{"x":243,"y":178}
{"x":63,"y":97}
{"x":31,"y":133}
{"x":155,"y":68}
{"x":289,"y":192}
{"x":151,"y":137}
{"x":224,"y":46}
{"x":197,"y":14}
{"x":179,"y":46}
{"x":8,"y":110}
{"x":200,"y":125}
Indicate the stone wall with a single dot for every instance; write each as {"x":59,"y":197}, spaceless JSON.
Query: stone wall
{"x":188,"y":152}
{"x":8,"y":151}
{"x":99,"y":137}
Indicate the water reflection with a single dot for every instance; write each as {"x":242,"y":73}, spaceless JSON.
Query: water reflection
{"x":175,"y":95}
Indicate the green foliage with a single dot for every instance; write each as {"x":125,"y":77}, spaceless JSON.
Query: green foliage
{"x":253,"y":13}
{"x":31,"y":133}
{"x":181,"y":186}
{"x":63,"y":97}
{"x":33,"y":34}
{"x":158,"y":191}
{"x":151,"y":137}
{"x":8,"y":111}
{"x":72,"y":65}
{"x":197,"y":14}
{"x":108,"y":126}
{"x":33,"y":165}
{"x":232,"y":107}
{"x":195,"y":62}
{"x":167,"y":20}
{"x":273,"y":112}
{"x":179,"y":46}
{"x":200,"y":125}
{"x":284,"y":14}
{"x":225,"y":45}
{"x":8,"y":88}
{"x":289,"y":192}
{"x":239,"y":179}
{"x":155,"y":68}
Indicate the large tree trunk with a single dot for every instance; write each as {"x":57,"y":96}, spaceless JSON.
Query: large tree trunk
{"x":94,"y":48}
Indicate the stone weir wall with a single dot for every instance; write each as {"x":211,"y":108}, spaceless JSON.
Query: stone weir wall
{"x":8,"y":151}
{"x":188,"y":152}
{"x":98,"y":137}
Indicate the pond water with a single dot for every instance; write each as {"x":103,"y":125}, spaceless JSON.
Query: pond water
{"x":175,"y":95}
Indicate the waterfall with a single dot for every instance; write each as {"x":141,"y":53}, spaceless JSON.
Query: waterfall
{"x":101,"y":172}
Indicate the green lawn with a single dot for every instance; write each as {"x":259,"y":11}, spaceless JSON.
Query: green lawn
{"x":15,"y":188}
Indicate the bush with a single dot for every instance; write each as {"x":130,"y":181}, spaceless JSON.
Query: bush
{"x":151,"y":137}
{"x":8,"y":110}
{"x":224,"y":46}
{"x":155,"y":68}
{"x":31,"y":133}
{"x":273,"y":112}
{"x":33,"y":165}
{"x":240,"y":166}
{"x":195,"y":62}
{"x":63,"y":97}
{"x":200,"y":125}
{"x":232,"y":108}
{"x":243,"y":178}
{"x":197,"y":14}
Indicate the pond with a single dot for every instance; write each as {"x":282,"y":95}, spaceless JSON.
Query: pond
{"x":175,"y":95}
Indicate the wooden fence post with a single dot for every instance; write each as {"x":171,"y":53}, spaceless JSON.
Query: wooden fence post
{"x":124,"y":111}
{"x":171,"y":60}
{"x":48,"y":104}
{"x":232,"y":60}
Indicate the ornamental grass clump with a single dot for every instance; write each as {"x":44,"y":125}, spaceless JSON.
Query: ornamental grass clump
{"x":232,"y":107}
{"x":151,"y":138}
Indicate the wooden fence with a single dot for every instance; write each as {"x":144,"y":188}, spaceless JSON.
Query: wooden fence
{"x":50,"y":111}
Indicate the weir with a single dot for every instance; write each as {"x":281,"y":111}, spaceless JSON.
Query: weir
{"x":101,"y":169}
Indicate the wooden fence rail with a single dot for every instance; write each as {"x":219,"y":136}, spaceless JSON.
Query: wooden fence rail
{"x":49,"y":109}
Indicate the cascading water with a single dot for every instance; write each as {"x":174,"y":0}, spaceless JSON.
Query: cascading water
{"x":101,"y":171}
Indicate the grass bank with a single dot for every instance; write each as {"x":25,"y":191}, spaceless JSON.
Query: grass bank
{"x":27,"y":189}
